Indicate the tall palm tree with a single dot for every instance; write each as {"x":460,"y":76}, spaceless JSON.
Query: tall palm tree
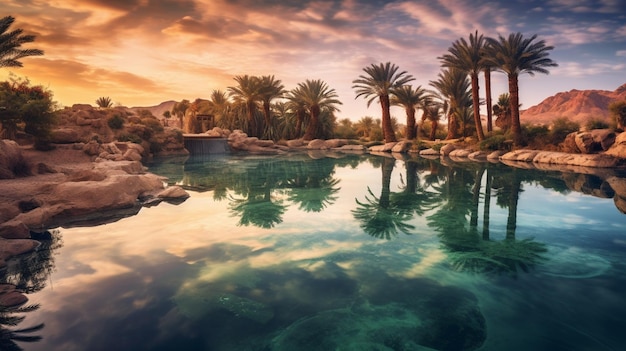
{"x":248,"y":92}
{"x":11,"y":42}
{"x":379,"y":82}
{"x":515,"y":55}
{"x":317,"y":95}
{"x":270,"y":89}
{"x":408,"y":98}
{"x":453,"y":85}
{"x":297,"y":106}
{"x":467,"y":57}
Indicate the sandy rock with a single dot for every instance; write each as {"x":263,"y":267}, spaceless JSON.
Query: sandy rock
{"x":173,"y":192}
{"x":296,"y":143}
{"x":429,"y":152}
{"x":447,"y":149}
{"x":11,"y":160}
{"x":335,"y":143}
{"x":477,"y":156}
{"x":462,"y":153}
{"x":402,"y":146}
{"x":13,"y":247}
{"x":132,"y":155}
{"x":387,"y":147}
{"x":64,"y":136}
{"x":316,"y":144}
{"x":14,"y":230}
{"x":520,"y":155}
{"x":130,"y":167}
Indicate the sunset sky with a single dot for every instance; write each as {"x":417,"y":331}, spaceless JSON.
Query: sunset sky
{"x":144,"y":52}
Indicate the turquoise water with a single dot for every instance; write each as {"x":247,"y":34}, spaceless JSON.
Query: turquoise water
{"x":339,"y":252}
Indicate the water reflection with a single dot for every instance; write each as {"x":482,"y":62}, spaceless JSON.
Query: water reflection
{"x":303,"y":251}
{"x":25,"y":274}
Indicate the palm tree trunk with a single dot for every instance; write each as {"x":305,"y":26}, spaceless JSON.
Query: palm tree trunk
{"x":511,"y":221}
{"x":476,"y":106}
{"x":488,"y":99}
{"x":452,"y":126}
{"x":516,"y":127}
{"x":433,"y":130}
{"x":388,"y":132}
{"x":411,"y":131}
{"x":300,"y":117}
{"x":311,"y":130}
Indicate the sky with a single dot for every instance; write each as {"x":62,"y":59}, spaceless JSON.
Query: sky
{"x":144,"y":52}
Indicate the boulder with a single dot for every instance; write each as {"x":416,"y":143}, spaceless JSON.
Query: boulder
{"x":296,"y":143}
{"x":447,"y":149}
{"x":316,"y":144}
{"x":462,"y":153}
{"x":14,"y":230}
{"x":387,"y":147}
{"x":402,"y":146}
{"x":618,"y":149}
{"x":173,"y":192}
{"x":12,"y":162}
{"x":429,"y":152}
{"x":13,"y":247}
{"x":335,"y":143}
{"x":64,"y":136}
{"x":520,"y":155}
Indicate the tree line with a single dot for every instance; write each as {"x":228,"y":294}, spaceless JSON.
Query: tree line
{"x":262,"y":107}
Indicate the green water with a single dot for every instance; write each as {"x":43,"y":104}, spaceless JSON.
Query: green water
{"x":327,"y":251}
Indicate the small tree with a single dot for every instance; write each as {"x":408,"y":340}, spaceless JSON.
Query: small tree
{"x":28,"y":107}
{"x":618,"y":111}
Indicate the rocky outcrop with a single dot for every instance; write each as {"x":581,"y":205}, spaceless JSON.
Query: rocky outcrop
{"x":12,"y":162}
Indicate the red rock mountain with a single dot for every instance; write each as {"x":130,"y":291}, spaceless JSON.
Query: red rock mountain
{"x":577,"y":105}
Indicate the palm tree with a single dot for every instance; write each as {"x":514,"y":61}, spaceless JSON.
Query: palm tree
{"x":316,"y":96}
{"x":502,"y":110}
{"x":364,"y":126}
{"x":433,"y":111}
{"x":10,"y":43}
{"x":104,"y":102}
{"x":179,"y":109}
{"x":379,"y":82}
{"x":249,"y":92}
{"x":297,"y":106}
{"x":270,"y":89}
{"x":453,"y":86}
{"x":487,"y":70}
{"x":468,"y":57}
{"x":408,"y":98}
{"x":516,"y":55}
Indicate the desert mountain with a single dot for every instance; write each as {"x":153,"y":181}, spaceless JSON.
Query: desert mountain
{"x":158,"y":110}
{"x":577,"y":105}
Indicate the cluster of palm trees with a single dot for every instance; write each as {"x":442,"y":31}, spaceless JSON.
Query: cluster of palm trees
{"x":307,"y":111}
{"x":465,"y":59}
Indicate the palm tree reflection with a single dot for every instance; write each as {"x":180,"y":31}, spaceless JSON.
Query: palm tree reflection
{"x":467,"y":250}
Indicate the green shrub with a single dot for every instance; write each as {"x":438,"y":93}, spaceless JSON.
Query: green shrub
{"x":133,"y":138}
{"x":596,"y":123}
{"x":493,"y":143}
{"x":560,"y":129}
{"x":153,"y":124}
{"x":115,"y":122}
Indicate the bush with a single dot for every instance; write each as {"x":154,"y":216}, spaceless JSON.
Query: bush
{"x":493,"y":143}
{"x":153,"y":124}
{"x":561,"y":128}
{"x":133,"y":138}
{"x":596,"y":123}
{"x":115,"y":122}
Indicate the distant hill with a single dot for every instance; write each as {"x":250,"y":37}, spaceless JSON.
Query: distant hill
{"x":577,"y":105}
{"x":156,"y":111}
